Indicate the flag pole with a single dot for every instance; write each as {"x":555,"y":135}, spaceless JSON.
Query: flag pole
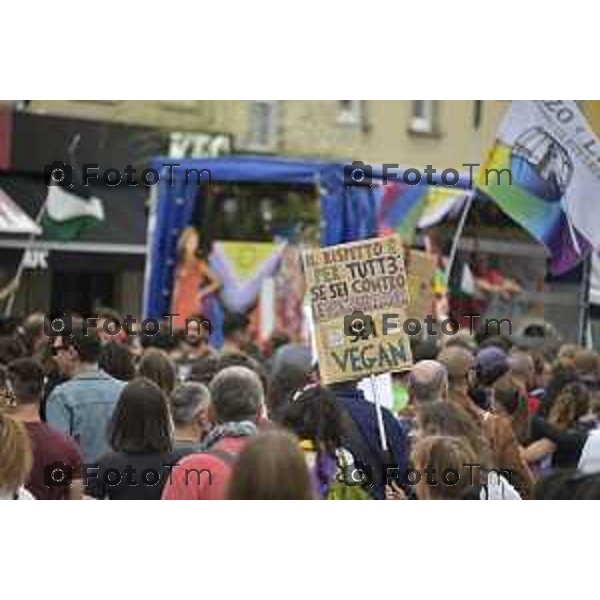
{"x":584,"y":300}
{"x":14,"y":284}
{"x":16,"y":281}
{"x":459,"y":230}
{"x":475,"y":152}
{"x":379,"y":413}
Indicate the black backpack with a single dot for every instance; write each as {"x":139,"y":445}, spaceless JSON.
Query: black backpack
{"x":371,"y":462}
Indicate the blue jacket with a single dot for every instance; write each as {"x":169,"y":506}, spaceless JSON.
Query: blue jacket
{"x":82,"y":408}
{"x":365,"y":417}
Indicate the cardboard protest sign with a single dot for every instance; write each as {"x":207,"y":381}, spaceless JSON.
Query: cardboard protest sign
{"x":421,"y":268}
{"x":358,"y":297}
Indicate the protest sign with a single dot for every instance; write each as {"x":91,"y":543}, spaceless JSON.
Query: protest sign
{"x":378,"y":388}
{"x":421,"y":268}
{"x":351,"y":287}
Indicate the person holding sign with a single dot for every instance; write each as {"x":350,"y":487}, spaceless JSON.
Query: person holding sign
{"x":317,"y":419}
{"x":362,"y":437}
{"x":353,"y":288}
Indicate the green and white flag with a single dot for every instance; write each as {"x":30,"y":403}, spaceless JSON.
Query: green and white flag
{"x":68,"y":214}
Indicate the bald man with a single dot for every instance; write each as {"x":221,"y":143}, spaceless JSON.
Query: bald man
{"x":522,"y":373}
{"x":428,"y":382}
{"x":458,"y":362}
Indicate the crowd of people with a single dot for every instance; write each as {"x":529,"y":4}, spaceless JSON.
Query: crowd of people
{"x":98,"y":416}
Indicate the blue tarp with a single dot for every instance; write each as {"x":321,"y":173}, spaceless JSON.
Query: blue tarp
{"x":347,"y":213}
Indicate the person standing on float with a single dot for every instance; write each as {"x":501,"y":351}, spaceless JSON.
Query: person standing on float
{"x":195,"y":282}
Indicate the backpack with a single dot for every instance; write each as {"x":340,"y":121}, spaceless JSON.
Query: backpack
{"x":340,"y":489}
{"x":373,"y":460}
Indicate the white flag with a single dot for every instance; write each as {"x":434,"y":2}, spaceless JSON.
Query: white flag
{"x":554,"y":136}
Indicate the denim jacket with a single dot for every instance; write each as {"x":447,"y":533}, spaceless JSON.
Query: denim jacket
{"x":82,"y":408}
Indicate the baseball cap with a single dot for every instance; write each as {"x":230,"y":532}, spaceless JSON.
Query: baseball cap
{"x":490,"y":364}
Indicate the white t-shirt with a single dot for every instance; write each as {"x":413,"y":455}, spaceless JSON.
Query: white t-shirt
{"x":498,"y":488}
{"x":21,"y":494}
{"x":589,"y":461}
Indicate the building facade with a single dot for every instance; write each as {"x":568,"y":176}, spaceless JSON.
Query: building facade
{"x":444,"y":134}
{"x":412,"y":133}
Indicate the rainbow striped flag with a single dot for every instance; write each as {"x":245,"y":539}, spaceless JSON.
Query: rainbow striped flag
{"x":405,"y":208}
{"x":544,"y":173}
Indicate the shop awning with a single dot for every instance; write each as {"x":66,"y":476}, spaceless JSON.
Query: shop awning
{"x":13,"y":219}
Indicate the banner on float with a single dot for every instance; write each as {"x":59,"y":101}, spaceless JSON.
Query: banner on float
{"x":351,"y":287}
{"x":242,"y":268}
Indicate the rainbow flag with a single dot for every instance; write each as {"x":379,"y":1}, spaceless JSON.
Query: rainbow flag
{"x":400,"y":209}
{"x":543,"y":173}
{"x":440,"y":202}
{"x":405,"y":208}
